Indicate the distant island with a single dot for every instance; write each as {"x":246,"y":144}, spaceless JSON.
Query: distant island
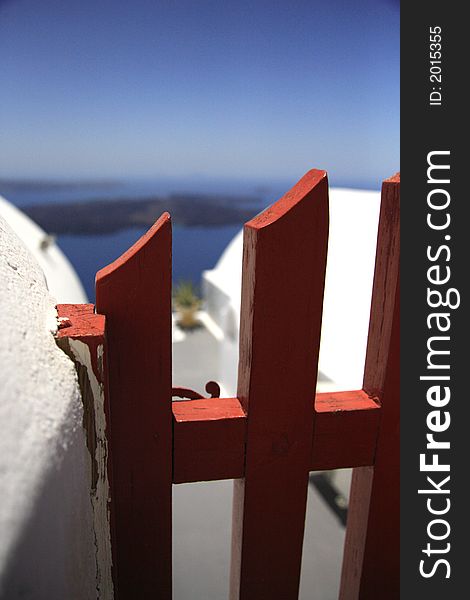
{"x":55,"y":185}
{"x":111,"y":215}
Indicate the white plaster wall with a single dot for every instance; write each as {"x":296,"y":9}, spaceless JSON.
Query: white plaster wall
{"x":61,"y":279}
{"x":46,"y":520}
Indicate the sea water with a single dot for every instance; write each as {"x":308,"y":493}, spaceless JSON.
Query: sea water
{"x":195,"y":249}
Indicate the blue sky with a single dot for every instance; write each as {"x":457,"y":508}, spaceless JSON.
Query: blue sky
{"x":257,"y":90}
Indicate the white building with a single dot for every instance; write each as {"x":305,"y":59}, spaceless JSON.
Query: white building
{"x":351,"y":256}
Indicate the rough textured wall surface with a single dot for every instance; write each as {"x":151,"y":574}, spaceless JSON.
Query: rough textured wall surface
{"x":46,"y":520}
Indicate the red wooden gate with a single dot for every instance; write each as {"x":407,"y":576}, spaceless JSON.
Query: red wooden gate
{"x":276,"y":431}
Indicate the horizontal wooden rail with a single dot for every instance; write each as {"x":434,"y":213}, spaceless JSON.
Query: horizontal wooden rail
{"x":346,"y":429}
{"x":208,"y":439}
{"x":209,"y":435}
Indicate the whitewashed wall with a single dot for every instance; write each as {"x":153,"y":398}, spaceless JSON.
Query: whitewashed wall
{"x":62,"y":280}
{"x":46,"y":522}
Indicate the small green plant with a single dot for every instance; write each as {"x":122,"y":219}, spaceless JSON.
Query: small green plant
{"x":186,"y":303}
{"x":184,"y":294}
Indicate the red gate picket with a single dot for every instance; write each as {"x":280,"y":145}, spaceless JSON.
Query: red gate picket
{"x":275,"y":431}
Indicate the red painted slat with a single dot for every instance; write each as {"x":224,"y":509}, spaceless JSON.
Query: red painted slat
{"x":208,"y":440}
{"x":346,"y":428}
{"x":282,"y":292}
{"x":209,"y":435}
{"x":134,"y":293}
{"x":207,"y":409}
{"x":341,"y":402}
{"x":371,"y":557}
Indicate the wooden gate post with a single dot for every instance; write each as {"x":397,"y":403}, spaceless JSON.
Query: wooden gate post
{"x":371,"y":557}
{"x":284,"y":259}
{"x":134,"y":293}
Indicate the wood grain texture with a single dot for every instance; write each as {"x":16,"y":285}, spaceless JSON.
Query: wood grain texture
{"x":284,"y":261}
{"x":80,"y":321}
{"x":209,"y":435}
{"x":386,"y":275}
{"x":134,"y":293}
{"x":345,"y":432}
{"x":208,"y":440}
{"x":207,"y":410}
{"x":371,"y":556}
